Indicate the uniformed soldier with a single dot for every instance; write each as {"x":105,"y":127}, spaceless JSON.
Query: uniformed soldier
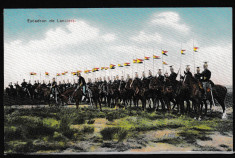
{"x":198,"y":74}
{"x":43,"y":84}
{"x":24,"y":85}
{"x":109,"y":80}
{"x":35,"y":84}
{"x":173,"y":75}
{"x":150,"y":75}
{"x":127,"y":77}
{"x":49,"y":84}
{"x":136,"y":75}
{"x":122,"y":82}
{"x":187,"y":72}
{"x":143,"y":76}
{"x":82,"y":83}
{"x":206,"y":75}
{"x":68,"y":84}
{"x":160,"y":76}
{"x":11,"y":86}
{"x":53,"y":87}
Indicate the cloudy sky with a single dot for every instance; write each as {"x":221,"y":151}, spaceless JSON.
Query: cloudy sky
{"x":99,"y":37}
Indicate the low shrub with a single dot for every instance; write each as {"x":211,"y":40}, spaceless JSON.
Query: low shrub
{"x":88,"y":129}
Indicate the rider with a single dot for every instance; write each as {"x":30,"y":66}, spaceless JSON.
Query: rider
{"x":54,"y":87}
{"x":68,"y":84}
{"x":160,"y":76}
{"x":122,"y":82}
{"x":127,"y":77}
{"x":49,"y":84}
{"x":206,"y":75}
{"x":24,"y":84}
{"x":43,"y":85}
{"x":173,"y":75}
{"x":81,"y":83}
{"x":150,"y":75}
{"x":188,"y":71}
{"x":198,"y":74}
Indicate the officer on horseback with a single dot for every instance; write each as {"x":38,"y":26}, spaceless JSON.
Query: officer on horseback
{"x":187,"y":72}
{"x":205,"y":78}
{"x":49,"y":84}
{"x":53,"y":87}
{"x":150,"y":75}
{"x":173,"y":75}
{"x":198,"y":75}
{"x":24,"y":85}
{"x":160,"y":76}
{"x":43,"y":85}
{"x":81,"y":83}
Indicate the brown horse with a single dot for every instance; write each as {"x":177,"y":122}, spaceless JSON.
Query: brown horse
{"x":156,"y":92}
{"x":136,"y":87}
{"x":94,"y":95}
{"x":195,"y":93}
{"x":219,"y":93}
{"x":72,"y":92}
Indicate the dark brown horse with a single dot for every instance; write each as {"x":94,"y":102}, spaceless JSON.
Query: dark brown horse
{"x":195,"y":93}
{"x":72,"y":92}
{"x":93,"y":94}
{"x":136,"y":86}
{"x":156,"y":92}
{"x":219,"y":93}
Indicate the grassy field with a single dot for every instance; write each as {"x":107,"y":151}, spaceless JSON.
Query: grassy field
{"x":70,"y":130}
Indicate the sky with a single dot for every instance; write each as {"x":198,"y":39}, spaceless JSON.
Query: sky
{"x":99,"y":37}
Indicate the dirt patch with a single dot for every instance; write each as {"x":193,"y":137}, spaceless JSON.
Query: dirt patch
{"x":221,"y":142}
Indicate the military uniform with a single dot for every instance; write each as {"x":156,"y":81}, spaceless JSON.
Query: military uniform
{"x":82,"y":82}
{"x":161,"y":78}
{"x":54,"y":87}
{"x":172,"y":76}
{"x":198,"y":76}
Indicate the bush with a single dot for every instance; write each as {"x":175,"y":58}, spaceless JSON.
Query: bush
{"x":12,"y":132}
{"x":88,"y":129}
{"x":122,"y":133}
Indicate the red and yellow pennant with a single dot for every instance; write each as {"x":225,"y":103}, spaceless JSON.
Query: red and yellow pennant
{"x":74,"y":73}
{"x":58,"y":74}
{"x":112,"y":66}
{"x":140,"y":61}
{"x":102,"y":68}
{"x":33,"y":73}
{"x":164,"y":63}
{"x":164,"y":52}
{"x":120,"y":65}
{"x":126,"y":64}
{"x":106,"y":68}
{"x":146,"y":58}
{"x":195,"y":49}
{"x":62,"y":73}
{"x":182,"y":51}
{"x":134,"y":61}
{"x":46,"y":73}
{"x":156,"y":57}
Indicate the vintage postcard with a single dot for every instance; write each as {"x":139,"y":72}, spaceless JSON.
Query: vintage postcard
{"x":118,"y":81}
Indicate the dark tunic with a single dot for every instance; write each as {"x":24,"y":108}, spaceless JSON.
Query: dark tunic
{"x":172,"y":76}
{"x":206,"y":75}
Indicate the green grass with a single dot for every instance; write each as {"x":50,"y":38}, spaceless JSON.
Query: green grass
{"x":32,"y":130}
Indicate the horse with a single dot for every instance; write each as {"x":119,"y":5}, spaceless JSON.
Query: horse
{"x":136,"y":86}
{"x":195,"y":93}
{"x":156,"y":93}
{"x":93,"y":94}
{"x":72,"y":92}
{"x":129,"y":92}
{"x":219,"y":93}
